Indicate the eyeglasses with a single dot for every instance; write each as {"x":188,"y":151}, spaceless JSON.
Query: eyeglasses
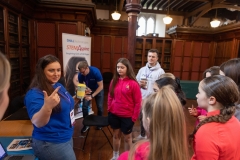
{"x":82,"y":72}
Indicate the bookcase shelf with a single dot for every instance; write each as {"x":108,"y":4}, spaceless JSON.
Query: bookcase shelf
{"x":1,"y":30}
{"x":16,"y":47}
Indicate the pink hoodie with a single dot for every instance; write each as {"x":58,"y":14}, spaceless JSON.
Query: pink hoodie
{"x":141,"y":152}
{"x":200,"y":112}
{"x":127,"y":99}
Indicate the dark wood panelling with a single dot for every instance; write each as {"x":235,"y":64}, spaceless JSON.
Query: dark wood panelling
{"x":45,"y":51}
{"x":107,"y":50}
{"x":46,"y":34}
{"x":27,"y":9}
{"x":191,"y":58}
{"x":70,"y":28}
{"x":109,"y":31}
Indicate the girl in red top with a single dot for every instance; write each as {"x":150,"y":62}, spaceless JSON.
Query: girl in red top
{"x":124,"y":101}
{"x":217,"y":136}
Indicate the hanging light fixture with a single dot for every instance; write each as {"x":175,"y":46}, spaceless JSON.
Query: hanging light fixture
{"x":167,"y":19}
{"x":116,"y":15}
{"x":215,"y":22}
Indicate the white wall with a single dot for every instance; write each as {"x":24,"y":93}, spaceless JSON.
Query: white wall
{"x":160,"y":26}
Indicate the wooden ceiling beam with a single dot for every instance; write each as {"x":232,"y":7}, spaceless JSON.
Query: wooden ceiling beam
{"x":143,"y":2}
{"x":120,"y":6}
{"x":213,"y":7}
{"x":179,"y":1}
{"x":197,"y":6}
{"x":182,"y":4}
{"x":104,"y":7}
{"x":172,"y":3}
{"x":185,"y":7}
{"x":223,"y":5}
{"x":149,"y":2}
{"x":154,"y":4}
{"x":159,"y":4}
{"x":162,"y":5}
{"x":162,"y":12}
{"x":199,"y":0}
{"x":206,"y":6}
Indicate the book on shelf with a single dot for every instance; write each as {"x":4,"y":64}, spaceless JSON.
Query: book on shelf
{"x":19,"y":145}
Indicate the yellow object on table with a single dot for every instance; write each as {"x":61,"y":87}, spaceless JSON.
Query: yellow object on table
{"x":81,"y":90}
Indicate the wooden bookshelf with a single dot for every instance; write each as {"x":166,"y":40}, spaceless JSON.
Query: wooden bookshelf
{"x":144,"y":44}
{"x":2,"y":42}
{"x":25,"y":59}
{"x":16,"y":47}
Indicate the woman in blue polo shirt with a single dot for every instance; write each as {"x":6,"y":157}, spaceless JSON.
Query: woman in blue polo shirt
{"x":50,"y":108}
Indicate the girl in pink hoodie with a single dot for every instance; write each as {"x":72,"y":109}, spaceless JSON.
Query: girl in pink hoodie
{"x":124,"y":101}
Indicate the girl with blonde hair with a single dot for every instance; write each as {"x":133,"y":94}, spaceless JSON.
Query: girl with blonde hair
{"x":164,"y":120}
{"x":5,"y":73}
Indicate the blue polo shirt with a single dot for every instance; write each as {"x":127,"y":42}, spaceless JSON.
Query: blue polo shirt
{"x":91,"y":78}
{"x":59,"y":128}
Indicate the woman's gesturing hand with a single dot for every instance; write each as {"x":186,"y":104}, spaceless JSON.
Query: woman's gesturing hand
{"x":52,"y":100}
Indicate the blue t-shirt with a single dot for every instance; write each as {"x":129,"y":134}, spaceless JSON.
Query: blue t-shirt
{"x":59,"y":128}
{"x":91,"y":78}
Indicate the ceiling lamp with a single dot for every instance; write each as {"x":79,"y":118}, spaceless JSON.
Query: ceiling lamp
{"x":167,"y":19}
{"x":215,"y":22}
{"x":116,"y":15}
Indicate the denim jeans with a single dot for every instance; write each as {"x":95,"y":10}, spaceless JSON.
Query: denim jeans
{"x":53,"y":151}
{"x":99,"y":102}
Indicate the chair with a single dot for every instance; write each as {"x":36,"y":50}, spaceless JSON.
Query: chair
{"x":98,"y":121}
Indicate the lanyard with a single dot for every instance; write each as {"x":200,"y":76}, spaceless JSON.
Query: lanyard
{"x":147,"y":75}
{"x":65,"y":96}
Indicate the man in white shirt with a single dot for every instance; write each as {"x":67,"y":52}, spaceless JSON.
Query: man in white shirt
{"x":146,"y":77}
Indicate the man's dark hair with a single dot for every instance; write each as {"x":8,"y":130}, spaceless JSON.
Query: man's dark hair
{"x":154,"y":50}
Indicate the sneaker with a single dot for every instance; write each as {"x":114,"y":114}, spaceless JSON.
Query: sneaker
{"x":114,"y":158}
{"x":138,"y":138}
{"x":98,"y":128}
{"x":84,"y":129}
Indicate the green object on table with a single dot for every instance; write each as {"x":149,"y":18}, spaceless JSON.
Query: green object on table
{"x":190,"y":88}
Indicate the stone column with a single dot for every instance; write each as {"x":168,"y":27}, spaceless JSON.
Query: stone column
{"x":133,"y":8}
